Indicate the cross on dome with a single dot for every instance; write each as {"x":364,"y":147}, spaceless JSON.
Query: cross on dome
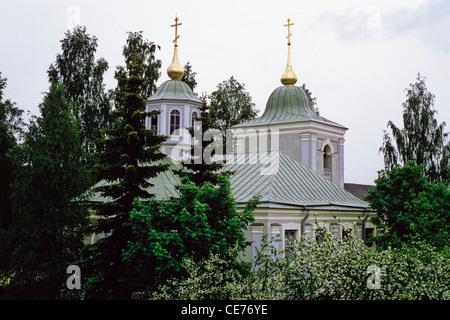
{"x":176,"y":30}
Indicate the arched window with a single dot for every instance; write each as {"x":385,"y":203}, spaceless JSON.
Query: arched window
{"x":174,"y":121}
{"x":327,"y":165}
{"x":154,"y":122}
{"x":194,"y":116}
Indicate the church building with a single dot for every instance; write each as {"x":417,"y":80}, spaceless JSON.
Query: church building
{"x":290,"y":155}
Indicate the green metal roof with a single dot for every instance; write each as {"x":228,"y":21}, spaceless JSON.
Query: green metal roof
{"x":286,"y":183}
{"x":174,"y":90}
{"x":287,"y":104}
{"x":281,"y":181}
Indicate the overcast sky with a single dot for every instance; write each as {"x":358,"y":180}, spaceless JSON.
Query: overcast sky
{"x":356,"y":57}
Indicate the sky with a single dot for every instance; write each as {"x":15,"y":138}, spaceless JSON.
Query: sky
{"x":356,"y":57}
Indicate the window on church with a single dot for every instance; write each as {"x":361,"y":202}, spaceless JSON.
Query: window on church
{"x":320,"y":235}
{"x":346,"y":232}
{"x":194,"y":116}
{"x":368,"y":236}
{"x":289,"y":239}
{"x":174,"y":121}
{"x":335,"y":232}
{"x":327,"y":162}
{"x":154,"y":123}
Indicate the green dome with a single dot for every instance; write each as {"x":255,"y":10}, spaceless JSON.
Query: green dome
{"x":175,"y":90}
{"x":287,"y":104}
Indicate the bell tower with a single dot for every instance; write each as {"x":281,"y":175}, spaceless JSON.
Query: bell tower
{"x":178,"y":105}
{"x":291,"y":125}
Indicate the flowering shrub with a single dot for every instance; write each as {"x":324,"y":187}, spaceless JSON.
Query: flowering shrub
{"x":327,"y":269}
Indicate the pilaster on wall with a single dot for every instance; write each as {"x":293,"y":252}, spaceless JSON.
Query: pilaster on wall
{"x":275,"y":236}
{"x":341,"y":162}
{"x":305,"y":147}
{"x":257,"y":230}
{"x":313,"y":151}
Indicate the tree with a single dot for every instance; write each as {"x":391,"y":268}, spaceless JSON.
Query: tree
{"x":131,"y":156}
{"x":313,"y":100}
{"x":231,"y":104}
{"x":202,"y":221}
{"x":330,"y":269}
{"x":48,"y":218}
{"x":189,"y":76}
{"x":82,"y":75}
{"x":422,"y":139}
{"x":11,"y":126}
{"x":200,"y":166}
{"x":410,"y":207}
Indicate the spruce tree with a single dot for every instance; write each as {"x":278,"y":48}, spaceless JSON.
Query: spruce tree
{"x":188,"y":76}
{"x":200,"y":166}
{"x":131,"y":156}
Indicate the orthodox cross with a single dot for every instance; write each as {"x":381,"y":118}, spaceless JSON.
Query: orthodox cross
{"x":289,"y":24}
{"x":176,"y":30}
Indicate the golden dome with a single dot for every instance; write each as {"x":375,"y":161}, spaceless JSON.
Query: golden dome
{"x":289,"y":78}
{"x":175,"y":70}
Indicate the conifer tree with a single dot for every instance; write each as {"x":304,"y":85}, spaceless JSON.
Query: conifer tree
{"x":188,"y":76}
{"x":131,"y":156}
{"x":200,"y":166}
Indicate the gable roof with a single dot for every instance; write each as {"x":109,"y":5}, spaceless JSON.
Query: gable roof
{"x":358,"y":190}
{"x":286,"y":183}
{"x":281,"y":181}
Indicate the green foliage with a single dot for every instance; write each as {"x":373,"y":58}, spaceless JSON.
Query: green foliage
{"x":11,"y":125}
{"x":312,"y":100}
{"x":131,"y":156}
{"x":329,"y":269}
{"x":189,"y":76}
{"x":47,"y":221}
{"x":410,"y":207}
{"x":231,"y":104}
{"x":82,"y":76}
{"x":200,"y":165}
{"x":208,"y":279}
{"x":203,"y":221}
{"x":422,"y":139}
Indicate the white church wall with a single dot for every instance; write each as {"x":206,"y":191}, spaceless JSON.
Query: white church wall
{"x":276,"y":222}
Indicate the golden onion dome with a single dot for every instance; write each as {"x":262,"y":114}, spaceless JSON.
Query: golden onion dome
{"x":289,"y":78}
{"x":175,"y":70}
